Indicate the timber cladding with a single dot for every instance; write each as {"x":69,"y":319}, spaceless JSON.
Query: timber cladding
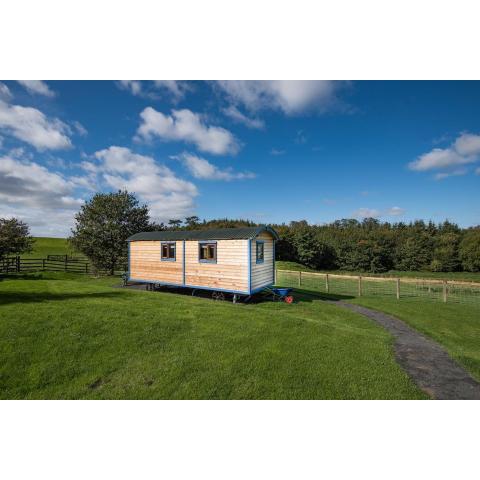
{"x":146,"y":263}
{"x":218,"y":259}
{"x":229,"y":272}
{"x":263,"y":272}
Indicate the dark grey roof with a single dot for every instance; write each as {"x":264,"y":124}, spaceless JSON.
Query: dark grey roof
{"x":213,"y":234}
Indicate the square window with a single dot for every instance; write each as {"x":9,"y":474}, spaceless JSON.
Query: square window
{"x":260,"y":252}
{"x":207,"y":252}
{"x":168,"y":251}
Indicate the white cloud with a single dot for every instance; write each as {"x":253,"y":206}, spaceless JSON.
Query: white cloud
{"x":367,"y":213}
{"x":463,"y":151}
{"x":175,"y":89}
{"x":32,"y":126}
{"x":395,"y":211}
{"x":187,"y":126}
{"x":172,"y":89}
{"x":290,"y":96}
{"x":203,"y":169}
{"x":5,"y":93}
{"x":167,"y":195}
{"x":452,"y":173}
{"x":236,"y":115}
{"x":44,"y":199}
{"x":375,"y":213}
{"x":133,"y":86}
{"x":81,"y":130}
{"x":468,"y":144}
{"x":276,"y":152}
{"x":37,"y":87}
{"x":477,"y":171}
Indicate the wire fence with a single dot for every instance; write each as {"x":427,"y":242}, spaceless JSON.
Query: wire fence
{"x":446,"y":291}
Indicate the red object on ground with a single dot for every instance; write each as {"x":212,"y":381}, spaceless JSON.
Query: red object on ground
{"x":288,"y":299}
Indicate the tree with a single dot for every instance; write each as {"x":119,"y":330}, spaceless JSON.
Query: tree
{"x":469,"y":250}
{"x":174,"y":223}
{"x":445,"y":255}
{"x":192,"y":221}
{"x":14,"y":237}
{"x":415,"y":253}
{"x":103,"y":225}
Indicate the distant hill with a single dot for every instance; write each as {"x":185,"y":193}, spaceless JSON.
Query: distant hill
{"x":44,"y":246}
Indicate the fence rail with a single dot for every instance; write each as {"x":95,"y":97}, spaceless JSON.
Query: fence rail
{"x":396,"y":287}
{"x":52,"y":263}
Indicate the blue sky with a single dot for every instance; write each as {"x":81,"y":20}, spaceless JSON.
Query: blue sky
{"x":268,"y":151}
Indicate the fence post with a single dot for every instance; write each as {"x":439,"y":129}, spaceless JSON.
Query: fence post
{"x":359,"y":285}
{"x":86,"y":267}
{"x":327,"y":286}
{"x":444,"y":291}
{"x":43,"y":264}
{"x":275,"y":275}
{"x":17,"y":261}
{"x":299,"y":278}
{"x":398,"y":288}
{"x":65,"y":263}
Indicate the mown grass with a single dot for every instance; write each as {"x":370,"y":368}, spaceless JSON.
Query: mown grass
{"x":72,"y":336}
{"x":44,"y":246}
{"x":461,"y":276}
{"x":456,"y":327}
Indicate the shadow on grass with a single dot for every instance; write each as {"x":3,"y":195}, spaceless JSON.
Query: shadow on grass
{"x":300,"y":295}
{"x":27,"y":297}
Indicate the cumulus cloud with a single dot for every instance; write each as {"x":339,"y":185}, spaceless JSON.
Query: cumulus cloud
{"x":289,"y":96}
{"x":44,"y":199}
{"x":203,"y":169}
{"x":167,"y":195}
{"x":5,"y":93}
{"x":81,"y":130}
{"x":37,"y":87}
{"x":463,"y":151}
{"x":477,"y":171}
{"x":186,"y":126}
{"x":32,"y":126}
{"x":237,"y":116}
{"x":276,"y":152}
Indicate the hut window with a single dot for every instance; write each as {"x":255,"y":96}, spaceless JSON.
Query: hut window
{"x":260,"y":251}
{"x":168,"y":251}
{"x":207,"y":252}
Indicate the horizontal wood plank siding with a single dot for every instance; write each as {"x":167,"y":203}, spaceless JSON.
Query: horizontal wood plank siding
{"x":230,"y":272}
{"x":146,"y":263}
{"x":262,"y":273}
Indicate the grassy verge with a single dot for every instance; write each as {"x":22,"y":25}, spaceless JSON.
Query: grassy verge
{"x":68,"y":336}
{"x":460,"y":276}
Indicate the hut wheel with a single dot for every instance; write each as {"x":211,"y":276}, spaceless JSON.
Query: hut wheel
{"x":218,"y":296}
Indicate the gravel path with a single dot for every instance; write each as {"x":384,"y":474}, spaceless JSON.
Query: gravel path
{"x":424,"y":360}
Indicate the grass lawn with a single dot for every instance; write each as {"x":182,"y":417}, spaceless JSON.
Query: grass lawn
{"x":71,"y":336}
{"x":44,"y":246}
{"x":461,"y":276}
{"x":456,"y":327}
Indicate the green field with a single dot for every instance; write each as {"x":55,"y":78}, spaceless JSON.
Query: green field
{"x":44,"y":246}
{"x":461,"y":276}
{"x":72,"y":336}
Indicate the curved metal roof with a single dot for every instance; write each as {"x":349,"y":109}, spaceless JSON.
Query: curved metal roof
{"x":212,"y":234}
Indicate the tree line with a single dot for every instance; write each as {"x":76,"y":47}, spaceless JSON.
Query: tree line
{"x":104,"y":223}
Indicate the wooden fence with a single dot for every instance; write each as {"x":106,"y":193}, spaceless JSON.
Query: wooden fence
{"x":397,"y":287}
{"x":55,"y":263}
